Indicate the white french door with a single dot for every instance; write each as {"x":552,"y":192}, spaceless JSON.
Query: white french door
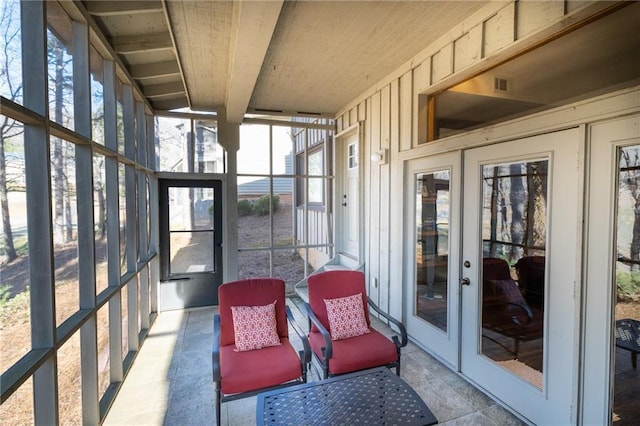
{"x":519,"y":266}
{"x":609,"y":380}
{"x":433,"y":215}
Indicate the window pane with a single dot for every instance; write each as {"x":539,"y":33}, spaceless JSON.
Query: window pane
{"x":527,"y":84}
{"x":191,"y":252}
{"x":123,"y":218}
{"x":283,"y":219}
{"x":96,"y":62}
{"x":282,"y":151}
{"x":65,"y":238}
{"x":125,"y":321}
{"x":104,"y":366}
{"x":18,"y":409}
{"x":254,"y":153}
{"x":69,"y":382}
{"x":119,"y":117}
{"x":254,"y":264}
{"x":15,"y":317}
{"x":59,"y":48}
{"x":514,"y":229}
{"x":289,"y":266}
{"x":254,"y":223}
{"x":190,"y":209}
{"x":209,"y":155}
{"x":100,"y":222}
{"x":172,"y":135}
{"x":627,"y":308}
{"x":11,"y":54}
{"x":432,"y":248}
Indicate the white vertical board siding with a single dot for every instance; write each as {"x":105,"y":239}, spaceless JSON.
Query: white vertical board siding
{"x":385,"y":128}
{"x":421,"y":79}
{"x":372,"y":202}
{"x":499,"y":30}
{"x":442,"y":64}
{"x":533,"y":15}
{"x":467,"y":50}
{"x":395,"y":205}
{"x":405,"y":111}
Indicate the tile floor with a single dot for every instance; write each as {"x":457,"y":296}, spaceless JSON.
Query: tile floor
{"x":170,"y":381}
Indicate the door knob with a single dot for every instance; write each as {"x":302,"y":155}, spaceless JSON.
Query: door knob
{"x":465,"y":281}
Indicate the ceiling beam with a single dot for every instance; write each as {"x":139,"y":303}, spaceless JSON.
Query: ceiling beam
{"x":154,"y":70}
{"x":114,"y":8}
{"x":169,"y":103}
{"x":253,"y":27}
{"x":141,"y":43}
{"x":163,"y":90}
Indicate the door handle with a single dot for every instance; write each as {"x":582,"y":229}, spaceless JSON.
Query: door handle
{"x":465,"y":281}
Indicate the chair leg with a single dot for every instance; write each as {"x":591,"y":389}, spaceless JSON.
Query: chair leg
{"x":304,"y":367}
{"x":218,"y":421}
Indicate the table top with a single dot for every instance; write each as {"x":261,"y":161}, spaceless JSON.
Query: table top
{"x":628,"y":334}
{"x":368,"y":397}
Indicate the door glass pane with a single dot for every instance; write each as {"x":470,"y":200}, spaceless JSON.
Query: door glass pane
{"x":514,"y":235}
{"x":432,"y":246}
{"x":191,"y":230}
{"x":626,"y":406}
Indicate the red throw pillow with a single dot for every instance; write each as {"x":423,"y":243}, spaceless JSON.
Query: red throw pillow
{"x":254,"y":327}
{"x":346,"y":317}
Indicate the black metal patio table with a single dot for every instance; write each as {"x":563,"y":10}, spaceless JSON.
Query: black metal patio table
{"x":370,"y":397}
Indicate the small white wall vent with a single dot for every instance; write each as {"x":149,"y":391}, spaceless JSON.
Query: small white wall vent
{"x":500,"y":84}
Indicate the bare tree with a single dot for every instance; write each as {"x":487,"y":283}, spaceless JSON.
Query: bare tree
{"x":61,"y":84}
{"x":630,"y":178}
{"x":8,"y":128}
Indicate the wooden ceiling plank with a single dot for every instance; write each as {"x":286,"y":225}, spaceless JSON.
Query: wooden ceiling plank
{"x":114,"y":8}
{"x":163,"y":90}
{"x":141,"y":43}
{"x":157,"y":69}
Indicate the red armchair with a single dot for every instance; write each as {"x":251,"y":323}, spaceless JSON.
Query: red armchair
{"x":242,"y":369}
{"x":343,"y":355}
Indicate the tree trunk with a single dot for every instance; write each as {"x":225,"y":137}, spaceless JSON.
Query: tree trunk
{"x":517,"y":198}
{"x":58,"y":160}
{"x":9,"y":248}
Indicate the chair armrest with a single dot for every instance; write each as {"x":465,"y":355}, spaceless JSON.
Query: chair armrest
{"x":526,"y":310}
{"x":403,"y":330}
{"x":328,"y":347}
{"x":306,"y":358}
{"x":215,"y":353}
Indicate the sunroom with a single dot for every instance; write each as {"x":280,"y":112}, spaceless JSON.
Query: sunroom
{"x":478,"y":161}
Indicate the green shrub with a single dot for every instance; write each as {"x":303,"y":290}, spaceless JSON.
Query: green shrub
{"x":245,"y":208}
{"x":628,"y":284}
{"x":261,"y":206}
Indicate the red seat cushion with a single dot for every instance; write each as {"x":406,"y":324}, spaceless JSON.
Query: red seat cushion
{"x":357,"y":353}
{"x":251,"y":370}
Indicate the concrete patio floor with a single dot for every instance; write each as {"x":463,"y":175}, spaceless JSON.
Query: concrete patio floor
{"x":170,"y":381}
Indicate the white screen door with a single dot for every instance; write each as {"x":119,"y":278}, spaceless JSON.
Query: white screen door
{"x":520,"y":254}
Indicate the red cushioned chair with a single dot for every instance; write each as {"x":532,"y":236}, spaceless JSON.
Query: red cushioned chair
{"x":369,"y":350}
{"x":241,"y":374}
